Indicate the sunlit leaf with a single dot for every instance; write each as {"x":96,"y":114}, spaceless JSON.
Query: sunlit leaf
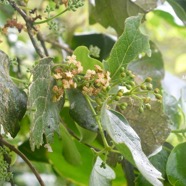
{"x":177,"y":5}
{"x":167,"y":17}
{"x":176,"y":167}
{"x":159,"y":160}
{"x":128,"y":143}
{"x":86,"y":136}
{"x":152,"y":125}
{"x":13,"y":101}
{"x":44,"y":113}
{"x":82,"y":54}
{"x":70,"y":151}
{"x":130,"y":44}
{"x":76,"y":174}
{"x":101,"y":176}
{"x":80,"y":110}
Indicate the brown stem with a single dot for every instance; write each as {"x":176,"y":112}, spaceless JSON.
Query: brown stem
{"x":12,"y":148}
{"x":29,"y":25}
{"x":54,"y":43}
{"x":40,"y":38}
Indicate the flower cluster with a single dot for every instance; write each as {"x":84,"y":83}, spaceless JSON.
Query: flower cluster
{"x":96,"y":81}
{"x":69,"y":75}
{"x":65,"y":76}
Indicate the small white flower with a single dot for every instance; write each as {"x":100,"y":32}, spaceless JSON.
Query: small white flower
{"x":57,"y":76}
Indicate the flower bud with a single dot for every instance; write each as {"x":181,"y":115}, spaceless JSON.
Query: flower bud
{"x":148,"y":80}
{"x":143,"y":87}
{"x":158,"y":96}
{"x":149,"y":86}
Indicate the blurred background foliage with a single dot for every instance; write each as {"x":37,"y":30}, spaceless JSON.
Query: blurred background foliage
{"x":90,"y":26}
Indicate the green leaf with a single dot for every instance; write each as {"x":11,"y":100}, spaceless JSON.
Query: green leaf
{"x":44,"y":113}
{"x":176,"y":168}
{"x":6,"y":12}
{"x":159,"y":161}
{"x":152,"y":124}
{"x":82,"y":54}
{"x":39,"y":155}
{"x":183,"y":100}
{"x":70,"y":151}
{"x":148,"y":5}
{"x":179,"y":10}
{"x":102,"y":41}
{"x":80,"y":110}
{"x":86,"y":136}
{"x":112,"y":13}
{"x":66,"y":118}
{"x":172,"y":110}
{"x":13,"y":101}
{"x":149,"y":66}
{"x":128,"y":143}
{"x":101,"y":176}
{"x":130,"y":44}
{"x":167,"y":17}
{"x":76,"y":174}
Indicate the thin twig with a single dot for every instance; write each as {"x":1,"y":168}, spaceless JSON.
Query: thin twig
{"x":12,"y":148}
{"x":37,"y":48}
{"x":40,"y":38}
{"x":49,"y":19}
{"x":29,"y":25}
{"x":54,"y":43}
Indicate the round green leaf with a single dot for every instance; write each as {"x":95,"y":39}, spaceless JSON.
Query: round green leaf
{"x":82,"y":54}
{"x":176,"y":167}
{"x":103,"y":41}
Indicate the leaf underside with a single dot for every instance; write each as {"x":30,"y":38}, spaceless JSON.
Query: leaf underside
{"x":44,"y":113}
{"x":101,"y":176}
{"x":128,"y":143}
